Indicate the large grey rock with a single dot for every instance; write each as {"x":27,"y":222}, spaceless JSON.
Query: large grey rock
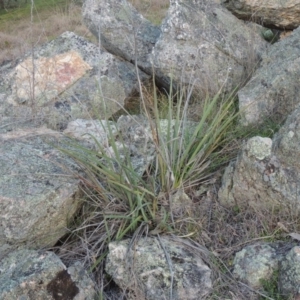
{"x":274,"y":89}
{"x":282,"y":14}
{"x":266,"y":173}
{"x":156,"y":269}
{"x":67,"y":78}
{"x":121,"y":30}
{"x":38,"y":194}
{"x":40,"y":275}
{"x":255,"y":263}
{"x":203,"y":44}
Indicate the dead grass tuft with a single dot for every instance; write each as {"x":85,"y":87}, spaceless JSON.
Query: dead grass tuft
{"x":19,"y":36}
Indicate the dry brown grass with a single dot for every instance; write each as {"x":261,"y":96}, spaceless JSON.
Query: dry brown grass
{"x":19,"y":36}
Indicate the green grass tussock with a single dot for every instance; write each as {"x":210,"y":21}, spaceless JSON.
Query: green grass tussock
{"x":186,"y":156}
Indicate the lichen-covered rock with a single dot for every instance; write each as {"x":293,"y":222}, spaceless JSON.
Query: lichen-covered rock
{"x":65,"y":79}
{"x":266,"y":173}
{"x":40,"y":275}
{"x":274,"y":89}
{"x":159,"y":269}
{"x":122,"y":30}
{"x":289,"y":276}
{"x":38,"y":195}
{"x":282,"y":14}
{"x":203,"y":45}
{"x":254,"y":263}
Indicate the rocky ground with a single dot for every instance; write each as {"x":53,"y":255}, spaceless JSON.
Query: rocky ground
{"x":132,"y":210}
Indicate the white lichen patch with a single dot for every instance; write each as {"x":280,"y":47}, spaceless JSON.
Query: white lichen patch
{"x":259,"y":147}
{"x":291,"y":134}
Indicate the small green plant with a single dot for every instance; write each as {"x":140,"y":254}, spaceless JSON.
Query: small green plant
{"x":271,"y":288}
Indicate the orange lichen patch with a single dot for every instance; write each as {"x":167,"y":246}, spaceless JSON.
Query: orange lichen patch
{"x":47,"y":77}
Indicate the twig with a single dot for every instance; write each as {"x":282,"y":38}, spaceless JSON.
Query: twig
{"x":169,"y":264}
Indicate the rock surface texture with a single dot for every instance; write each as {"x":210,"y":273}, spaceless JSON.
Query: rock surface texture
{"x":282,"y":14}
{"x":121,"y":30}
{"x":67,"y":78}
{"x":203,"y":44}
{"x":274,"y":89}
{"x":40,"y":275}
{"x":38,"y":195}
{"x":159,"y":269}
